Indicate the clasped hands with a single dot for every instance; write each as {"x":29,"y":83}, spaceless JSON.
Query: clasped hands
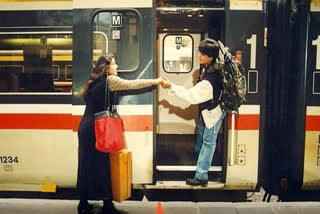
{"x":164,"y":82}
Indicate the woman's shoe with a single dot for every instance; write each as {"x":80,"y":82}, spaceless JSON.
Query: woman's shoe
{"x":84,"y":209}
{"x":109,"y":210}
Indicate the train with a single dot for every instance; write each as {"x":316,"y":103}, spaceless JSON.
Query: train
{"x":48,"y":48}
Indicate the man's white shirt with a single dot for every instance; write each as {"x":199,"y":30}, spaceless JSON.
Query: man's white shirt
{"x":199,"y":93}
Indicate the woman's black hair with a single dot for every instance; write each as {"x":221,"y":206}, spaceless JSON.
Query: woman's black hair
{"x":99,"y":71}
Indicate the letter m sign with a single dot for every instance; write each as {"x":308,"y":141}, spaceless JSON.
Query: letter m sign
{"x":116,"y":20}
{"x":178,"y":40}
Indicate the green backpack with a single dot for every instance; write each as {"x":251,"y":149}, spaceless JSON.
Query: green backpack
{"x":234,"y":82}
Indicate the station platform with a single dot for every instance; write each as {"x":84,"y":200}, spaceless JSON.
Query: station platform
{"x":49,"y":206}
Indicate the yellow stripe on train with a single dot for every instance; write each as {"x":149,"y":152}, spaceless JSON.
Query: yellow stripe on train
{"x":54,"y":58}
{"x":315,"y":6}
{"x":246,"y":5}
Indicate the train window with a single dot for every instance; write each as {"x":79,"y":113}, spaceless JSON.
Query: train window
{"x":177,"y":53}
{"x":35,"y":61}
{"x":118,"y":33}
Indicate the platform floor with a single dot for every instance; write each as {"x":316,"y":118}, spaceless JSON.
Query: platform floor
{"x":49,"y":206}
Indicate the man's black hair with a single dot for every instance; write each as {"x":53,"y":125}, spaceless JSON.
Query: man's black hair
{"x":209,"y":47}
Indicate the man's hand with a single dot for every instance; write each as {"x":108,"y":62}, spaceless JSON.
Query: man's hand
{"x":166,"y":83}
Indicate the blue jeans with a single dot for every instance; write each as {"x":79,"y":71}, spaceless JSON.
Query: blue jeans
{"x":206,"y":145}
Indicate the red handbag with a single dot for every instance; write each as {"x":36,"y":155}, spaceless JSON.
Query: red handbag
{"x":109,"y":128}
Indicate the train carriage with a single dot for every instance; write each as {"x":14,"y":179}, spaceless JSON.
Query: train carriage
{"x":312,"y":121}
{"x":291,"y":127}
{"x":46,"y":55}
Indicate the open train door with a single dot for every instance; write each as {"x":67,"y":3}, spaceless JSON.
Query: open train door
{"x":240,"y":25}
{"x":180,"y":29}
{"x":245,"y":38}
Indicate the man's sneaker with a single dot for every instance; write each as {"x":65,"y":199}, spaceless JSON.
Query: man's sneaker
{"x":196,"y":182}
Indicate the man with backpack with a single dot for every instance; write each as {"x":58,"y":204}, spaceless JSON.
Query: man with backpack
{"x":207,"y":93}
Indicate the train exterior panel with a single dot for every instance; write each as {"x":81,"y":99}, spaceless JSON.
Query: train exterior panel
{"x":311,"y":175}
{"x":244,"y":36}
{"x":41,"y":131}
{"x":243,"y":149}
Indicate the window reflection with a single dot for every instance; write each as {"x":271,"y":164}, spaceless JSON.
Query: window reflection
{"x":35,"y":62}
{"x":118,"y":33}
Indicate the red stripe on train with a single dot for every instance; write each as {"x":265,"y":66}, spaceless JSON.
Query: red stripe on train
{"x":130,"y":122}
{"x":251,"y":122}
{"x":312,"y":123}
{"x":35,"y":121}
{"x":245,"y":122}
{"x":67,"y":121}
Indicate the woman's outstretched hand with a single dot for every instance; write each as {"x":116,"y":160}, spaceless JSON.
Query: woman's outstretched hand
{"x":159,"y":81}
{"x":163,"y":81}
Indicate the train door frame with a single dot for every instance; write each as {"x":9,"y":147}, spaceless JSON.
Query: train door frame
{"x":201,"y":36}
{"x":251,"y":111}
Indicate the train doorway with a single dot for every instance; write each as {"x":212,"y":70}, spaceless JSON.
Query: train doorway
{"x":179,"y":33}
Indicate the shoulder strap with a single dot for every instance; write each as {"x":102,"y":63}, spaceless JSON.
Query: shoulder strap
{"x":107,"y":96}
{"x":108,"y":105}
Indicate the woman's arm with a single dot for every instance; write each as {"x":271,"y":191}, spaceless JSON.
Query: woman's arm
{"x":118,"y":84}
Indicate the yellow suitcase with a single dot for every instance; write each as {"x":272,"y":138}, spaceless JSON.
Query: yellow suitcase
{"x":121,"y":174}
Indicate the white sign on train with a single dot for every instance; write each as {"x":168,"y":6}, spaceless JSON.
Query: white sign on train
{"x":116,"y":34}
{"x":116,"y":20}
